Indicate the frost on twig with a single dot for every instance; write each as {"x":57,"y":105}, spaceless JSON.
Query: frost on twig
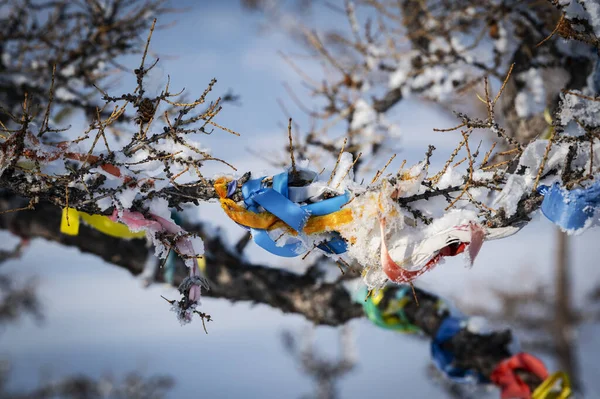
{"x":134,"y":180}
{"x":80,"y":42}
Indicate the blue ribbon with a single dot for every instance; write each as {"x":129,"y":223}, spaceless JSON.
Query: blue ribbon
{"x":171,"y":262}
{"x":336,"y":245}
{"x":443,"y":359}
{"x":275,"y":200}
{"x":231,"y":187}
{"x":570,"y":209}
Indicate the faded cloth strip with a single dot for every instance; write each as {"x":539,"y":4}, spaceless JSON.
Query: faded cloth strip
{"x":69,"y":224}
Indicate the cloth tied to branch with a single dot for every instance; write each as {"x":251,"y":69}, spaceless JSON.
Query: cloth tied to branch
{"x":547,"y":389}
{"x":131,"y":225}
{"x":512,"y":386}
{"x":171,"y":262}
{"x":570,"y":209}
{"x":444,"y":359}
{"x":427,"y":253}
{"x":69,"y":224}
{"x":136,"y":221}
{"x":385,"y":308}
{"x":279,"y":207}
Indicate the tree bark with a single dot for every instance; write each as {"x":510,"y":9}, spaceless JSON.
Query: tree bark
{"x":231,"y":277}
{"x":564,"y":319}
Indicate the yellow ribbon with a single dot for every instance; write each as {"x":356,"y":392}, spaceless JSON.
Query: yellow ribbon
{"x":393,"y":316}
{"x":69,"y":224}
{"x":389,"y":315}
{"x":546,"y":389}
{"x":268,"y":221}
{"x":201,"y":260}
{"x":548,"y":118}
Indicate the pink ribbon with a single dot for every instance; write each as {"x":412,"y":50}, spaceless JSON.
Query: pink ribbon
{"x":136,"y":221}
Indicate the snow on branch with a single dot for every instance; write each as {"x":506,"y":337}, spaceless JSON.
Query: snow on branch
{"x":82,"y":41}
{"x":138,"y":181}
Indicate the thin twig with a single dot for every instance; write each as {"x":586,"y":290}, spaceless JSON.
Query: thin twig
{"x":25,"y":208}
{"x":581,"y":95}
{"x":147,"y":44}
{"x":338,"y":161}
{"x":503,"y":84}
{"x":349,"y":169}
{"x":291,"y":146}
{"x":544,"y":159}
{"x":450,"y":129}
{"x":379,"y":172}
{"x":556,"y":28}
{"x":487,"y":155}
{"x":412,"y":286}
{"x":497,"y":165}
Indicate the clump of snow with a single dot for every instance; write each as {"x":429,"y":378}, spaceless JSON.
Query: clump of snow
{"x":344,"y":173}
{"x":514,"y":189}
{"x":192,"y":151}
{"x":401,"y":74}
{"x":501,"y":44}
{"x":451,"y":177}
{"x":364,"y":115}
{"x":64,"y":94}
{"x":67,"y":71}
{"x":531,"y":99}
{"x":373,"y":126}
{"x":160,"y":207}
{"x":478,"y":325}
{"x":437,"y":82}
{"x":518,"y":184}
{"x":584,"y":9}
{"x":126,"y":197}
{"x":362,"y":235}
{"x":581,"y":109}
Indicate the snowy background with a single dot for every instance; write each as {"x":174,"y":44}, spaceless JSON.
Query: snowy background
{"x":99,"y":320}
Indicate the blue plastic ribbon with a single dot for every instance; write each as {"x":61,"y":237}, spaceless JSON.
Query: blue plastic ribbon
{"x":171,"y":262}
{"x":231,"y":187}
{"x":570,"y":209}
{"x":443,"y":359}
{"x":275,"y":200}
{"x":336,"y":245}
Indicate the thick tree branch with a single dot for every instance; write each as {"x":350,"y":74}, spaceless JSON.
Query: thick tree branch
{"x":230,"y":275}
{"x":233,"y":278}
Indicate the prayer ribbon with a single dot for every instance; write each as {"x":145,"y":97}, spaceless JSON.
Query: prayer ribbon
{"x":546,"y":389}
{"x":171,"y":262}
{"x":169,"y":273}
{"x":138,"y":222}
{"x":444,"y":244}
{"x":109,"y":225}
{"x":444,"y":359}
{"x":201,"y":264}
{"x":511,"y":385}
{"x":69,"y":224}
{"x":385,"y":308}
{"x":570,"y":209}
{"x":281,"y":212}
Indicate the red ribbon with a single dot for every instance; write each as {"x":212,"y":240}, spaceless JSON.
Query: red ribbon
{"x":512,"y":386}
{"x":398,"y":274}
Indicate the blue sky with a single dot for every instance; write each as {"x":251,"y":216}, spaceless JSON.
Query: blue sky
{"x":100,"y":320}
